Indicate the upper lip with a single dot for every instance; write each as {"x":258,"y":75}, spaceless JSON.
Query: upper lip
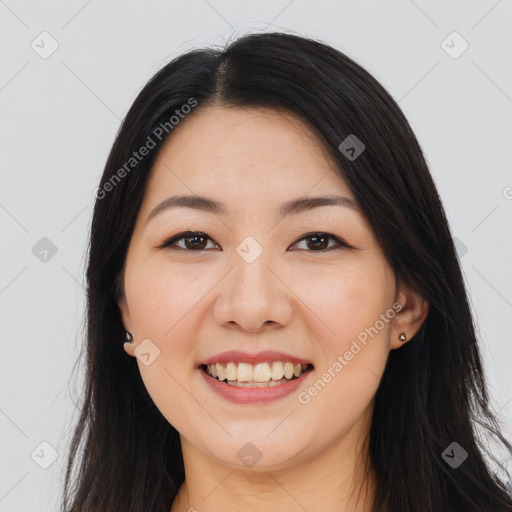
{"x":265,"y":356}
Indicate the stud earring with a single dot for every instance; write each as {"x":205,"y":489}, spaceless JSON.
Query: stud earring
{"x":128,"y":338}
{"x":402,"y":337}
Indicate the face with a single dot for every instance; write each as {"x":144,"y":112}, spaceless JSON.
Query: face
{"x":310,"y":283}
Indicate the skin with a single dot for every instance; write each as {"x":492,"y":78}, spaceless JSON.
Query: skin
{"x":294,"y":298}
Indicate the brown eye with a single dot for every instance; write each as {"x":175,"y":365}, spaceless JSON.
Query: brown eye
{"x":193,"y":241}
{"x":197,"y":241}
{"x":318,"y":242}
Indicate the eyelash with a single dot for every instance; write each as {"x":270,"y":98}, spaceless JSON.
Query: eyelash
{"x":170,"y":243}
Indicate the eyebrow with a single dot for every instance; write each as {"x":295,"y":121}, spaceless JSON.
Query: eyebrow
{"x":292,"y":207}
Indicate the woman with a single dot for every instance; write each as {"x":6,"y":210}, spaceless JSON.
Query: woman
{"x":269,"y":245}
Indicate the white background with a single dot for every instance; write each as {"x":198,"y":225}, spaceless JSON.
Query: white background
{"x":59,"y":116}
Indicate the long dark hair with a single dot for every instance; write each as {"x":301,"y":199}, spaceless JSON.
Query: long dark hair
{"x":433,"y":390}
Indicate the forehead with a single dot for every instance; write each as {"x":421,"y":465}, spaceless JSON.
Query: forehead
{"x":250,"y":153}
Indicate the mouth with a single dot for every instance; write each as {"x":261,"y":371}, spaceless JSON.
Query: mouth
{"x":261,"y":375}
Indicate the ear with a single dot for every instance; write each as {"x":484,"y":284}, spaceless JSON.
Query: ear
{"x":409,"y":318}
{"x":127,"y":324}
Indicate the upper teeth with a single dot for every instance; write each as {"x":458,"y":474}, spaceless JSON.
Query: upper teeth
{"x":261,"y":372}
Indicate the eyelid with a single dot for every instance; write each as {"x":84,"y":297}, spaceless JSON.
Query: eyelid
{"x":169,"y":243}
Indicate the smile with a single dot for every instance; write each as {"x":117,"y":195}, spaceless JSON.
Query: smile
{"x":260,"y":375}
{"x":259,"y":383}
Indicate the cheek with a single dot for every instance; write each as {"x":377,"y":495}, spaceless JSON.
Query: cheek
{"x":346,"y":300}
{"x":350,"y":362}
{"x":164,"y":304}
{"x":353,"y":349}
{"x":161,"y":295}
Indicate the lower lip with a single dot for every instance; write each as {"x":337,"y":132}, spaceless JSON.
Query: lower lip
{"x":253,"y":395}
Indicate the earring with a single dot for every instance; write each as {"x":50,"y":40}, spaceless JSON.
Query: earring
{"x":402,"y":337}
{"x":128,"y":338}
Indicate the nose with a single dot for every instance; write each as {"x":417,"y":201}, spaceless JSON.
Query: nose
{"x":254,"y":296}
